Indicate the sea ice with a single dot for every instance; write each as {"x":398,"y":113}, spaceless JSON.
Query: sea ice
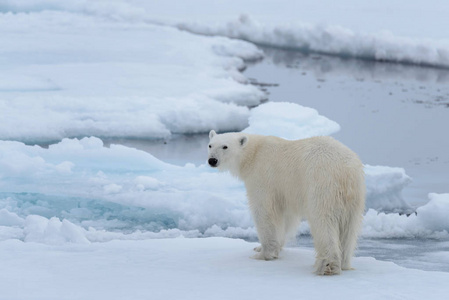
{"x":332,"y":40}
{"x":350,"y":29}
{"x":289,"y":121}
{"x":74,"y":75}
{"x":384,"y":187}
{"x":104,"y":190}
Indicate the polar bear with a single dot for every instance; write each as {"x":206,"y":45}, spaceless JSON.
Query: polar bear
{"x":318,"y":179}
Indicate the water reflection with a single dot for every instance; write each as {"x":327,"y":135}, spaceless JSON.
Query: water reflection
{"x":321,"y":65}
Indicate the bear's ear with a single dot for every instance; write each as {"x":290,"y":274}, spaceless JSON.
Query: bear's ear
{"x":212,"y":133}
{"x":243,"y":141}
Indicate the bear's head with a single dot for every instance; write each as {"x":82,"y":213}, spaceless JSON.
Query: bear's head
{"x":225,"y":150}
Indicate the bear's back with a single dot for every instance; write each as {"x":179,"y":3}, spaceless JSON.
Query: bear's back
{"x":271,"y":155}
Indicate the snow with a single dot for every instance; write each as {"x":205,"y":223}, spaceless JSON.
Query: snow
{"x":433,"y":214}
{"x":289,"y":121}
{"x":384,"y":186}
{"x":332,"y":40}
{"x":70,"y":75}
{"x":430,"y":221}
{"x":196,"y":269}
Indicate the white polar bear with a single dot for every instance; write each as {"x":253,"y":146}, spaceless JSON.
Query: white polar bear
{"x":318,"y":179}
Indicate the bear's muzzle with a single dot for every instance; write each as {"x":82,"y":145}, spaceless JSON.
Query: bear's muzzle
{"x":213,"y":162}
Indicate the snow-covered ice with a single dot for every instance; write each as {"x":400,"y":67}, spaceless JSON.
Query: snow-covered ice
{"x":70,"y":75}
{"x":104,"y":190}
{"x":289,"y":121}
{"x":331,"y":40}
{"x":349,"y":29}
{"x":196,"y":269}
{"x":384,"y":186}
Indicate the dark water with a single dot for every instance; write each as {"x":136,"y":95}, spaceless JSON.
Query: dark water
{"x":422,"y":254}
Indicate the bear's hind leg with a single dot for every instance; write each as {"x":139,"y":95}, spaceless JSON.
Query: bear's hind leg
{"x":348,"y":237}
{"x":327,"y":247}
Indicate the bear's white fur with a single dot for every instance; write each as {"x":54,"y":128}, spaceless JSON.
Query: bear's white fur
{"x":318,"y":179}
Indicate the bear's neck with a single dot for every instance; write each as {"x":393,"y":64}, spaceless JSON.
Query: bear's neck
{"x":247,"y":158}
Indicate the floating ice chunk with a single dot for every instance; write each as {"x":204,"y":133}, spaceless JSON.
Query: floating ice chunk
{"x":290,"y":121}
{"x":15,"y":164}
{"x":90,"y":153}
{"x":380,"y":225}
{"x":384,"y":187}
{"x":146,"y":182}
{"x":112,"y":188}
{"x":430,"y":221}
{"x":199,"y":113}
{"x":10,"y":219}
{"x":53,"y":231}
{"x":434,"y":215}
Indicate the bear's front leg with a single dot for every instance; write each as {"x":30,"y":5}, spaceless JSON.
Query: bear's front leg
{"x":267,"y":231}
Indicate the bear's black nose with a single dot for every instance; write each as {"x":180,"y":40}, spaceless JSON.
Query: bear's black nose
{"x":213,"y":162}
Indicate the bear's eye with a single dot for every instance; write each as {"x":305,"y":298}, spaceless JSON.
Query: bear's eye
{"x":210,"y":146}
{"x":225,"y":147}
